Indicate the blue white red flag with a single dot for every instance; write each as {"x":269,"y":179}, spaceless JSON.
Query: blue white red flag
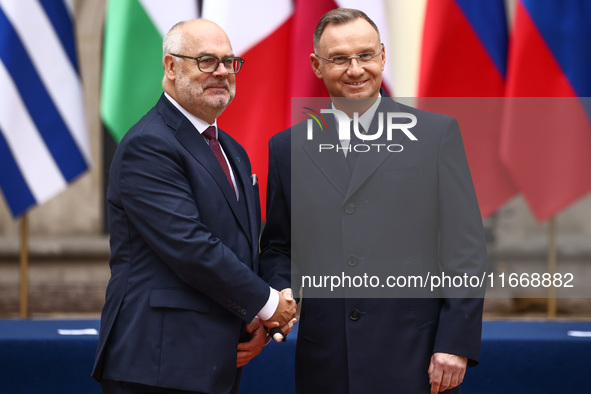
{"x":549,"y":154}
{"x":464,"y":54}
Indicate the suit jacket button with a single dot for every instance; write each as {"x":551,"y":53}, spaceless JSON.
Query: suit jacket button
{"x":352,"y":260}
{"x":354,"y":315}
{"x":350,"y":208}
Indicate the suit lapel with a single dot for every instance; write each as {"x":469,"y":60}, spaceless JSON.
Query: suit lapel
{"x":247,"y":219}
{"x":196,"y":145}
{"x":368,"y":163}
{"x":330,"y":162}
{"x":189,"y":137}
{"x":333,"y":164}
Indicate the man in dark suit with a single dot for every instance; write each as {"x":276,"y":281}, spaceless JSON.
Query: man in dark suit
{"x":398,"y":206}
{"x":184,"y":220}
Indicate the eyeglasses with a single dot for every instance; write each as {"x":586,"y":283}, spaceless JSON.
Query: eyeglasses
{"x":208,"y":63}
{"x":362,"y":58}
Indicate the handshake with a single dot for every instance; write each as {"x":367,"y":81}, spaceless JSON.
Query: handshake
{"x":276,"y":327}
{"x":282,"y":321}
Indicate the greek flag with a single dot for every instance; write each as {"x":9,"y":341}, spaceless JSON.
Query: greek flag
{"x":43,"y":134}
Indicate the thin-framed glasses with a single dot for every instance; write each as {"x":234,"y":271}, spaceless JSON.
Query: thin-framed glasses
{"x":362,"y":58}
{"x":209,"y":63}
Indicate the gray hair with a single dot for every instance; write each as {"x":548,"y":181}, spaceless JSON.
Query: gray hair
{"x":173,"y":41}
{"x":340,"y":16}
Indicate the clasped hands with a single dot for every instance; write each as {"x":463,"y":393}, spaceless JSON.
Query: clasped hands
{"x":283,"y":318}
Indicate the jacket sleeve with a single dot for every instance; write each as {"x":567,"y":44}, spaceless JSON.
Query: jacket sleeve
{"x":275,"y":260}
{"x":462,"y":249}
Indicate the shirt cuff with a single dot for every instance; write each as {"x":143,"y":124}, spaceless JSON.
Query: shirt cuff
{"x":271,"y":305}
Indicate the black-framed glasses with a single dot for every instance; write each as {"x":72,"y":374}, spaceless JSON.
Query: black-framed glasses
{"x":362,"y":58}
{"x":209,"y":63}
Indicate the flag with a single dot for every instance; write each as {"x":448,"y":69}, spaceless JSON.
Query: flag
{"x":43,"y":134}
{"x":546,"y":141}
{"x":464,"y":55}
{"x":275,"y":39}
{"x":132,"y":57}
{"x":259,"y":31}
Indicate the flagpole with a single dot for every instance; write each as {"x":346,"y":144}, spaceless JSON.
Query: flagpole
{"x":24,"y":268}
{"x":552,"y":267}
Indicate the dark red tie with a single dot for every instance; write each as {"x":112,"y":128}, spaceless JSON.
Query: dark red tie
{"x":215,"y":147}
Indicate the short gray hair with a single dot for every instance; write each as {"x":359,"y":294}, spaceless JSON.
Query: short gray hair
{"x":340,"y":16}
{"x":173,"y":41}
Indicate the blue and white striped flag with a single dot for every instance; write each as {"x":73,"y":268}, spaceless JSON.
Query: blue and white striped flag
{"x":43,"y":134}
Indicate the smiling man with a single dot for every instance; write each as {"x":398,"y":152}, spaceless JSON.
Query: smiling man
{"x":353,"y":214}
{"x":334,"y":43}
{"x":184,"y":305}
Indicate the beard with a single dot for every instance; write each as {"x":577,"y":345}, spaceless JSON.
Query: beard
{"x":197,"y":96}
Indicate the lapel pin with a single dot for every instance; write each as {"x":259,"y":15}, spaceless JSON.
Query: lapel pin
{"x":238,"y":159}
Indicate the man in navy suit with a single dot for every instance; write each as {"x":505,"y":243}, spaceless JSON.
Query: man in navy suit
{"x":184,"y":305}
{"x":402,"y":206}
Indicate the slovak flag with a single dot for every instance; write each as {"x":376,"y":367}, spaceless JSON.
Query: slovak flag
{"x":546,"y":139}
{"x":462,"y":74}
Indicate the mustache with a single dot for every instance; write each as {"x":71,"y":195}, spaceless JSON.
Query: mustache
{"x":217,"y":84}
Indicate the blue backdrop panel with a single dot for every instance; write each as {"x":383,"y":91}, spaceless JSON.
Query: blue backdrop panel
{"x":517,"y":357}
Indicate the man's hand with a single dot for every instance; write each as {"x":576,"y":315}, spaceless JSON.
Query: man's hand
{"x":280,"y":333}
{"x":446,"y":371}
{"x":248,"y":350}
{"x":284,"y":316}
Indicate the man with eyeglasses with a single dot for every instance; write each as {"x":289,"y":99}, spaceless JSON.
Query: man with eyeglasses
{"x":184,"y":305}
{"x":344,"y":215}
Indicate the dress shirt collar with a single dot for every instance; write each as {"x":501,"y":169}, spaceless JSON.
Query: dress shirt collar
{"x":199,"y":124}
{"x":367,"y":117}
